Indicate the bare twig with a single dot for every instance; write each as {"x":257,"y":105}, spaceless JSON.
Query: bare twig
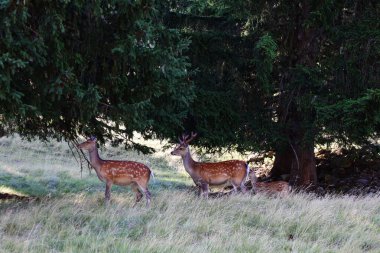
{"x":72,"y":152}
{"x":287,"y":107}
{"x":82,"y":157}
{"x":296,"y":156}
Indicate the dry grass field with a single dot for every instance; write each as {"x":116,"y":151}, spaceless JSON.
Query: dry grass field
{"x":69,"y":214}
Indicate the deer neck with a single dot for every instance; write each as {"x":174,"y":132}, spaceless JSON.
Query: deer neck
{"x":188,"y":162}
{"x":95,"y":159}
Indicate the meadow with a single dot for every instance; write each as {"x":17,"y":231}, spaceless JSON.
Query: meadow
{"x":66,"y":212}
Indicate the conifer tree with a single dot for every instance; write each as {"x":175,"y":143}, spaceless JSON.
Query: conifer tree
{"x":283,"y":76}
{"x":106,"y":68}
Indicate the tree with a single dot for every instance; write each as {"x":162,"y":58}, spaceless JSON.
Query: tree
{"x":268,"y":75}
{"x":69,"y":68}
{"x":284,"y":75}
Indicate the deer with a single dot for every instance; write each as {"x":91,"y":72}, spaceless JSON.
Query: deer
{"x":121,"y":173}
{"x":281,"y":188}
{"x":269,"y":188}
{"x":206,"y":174}
{"x":273,"y":187}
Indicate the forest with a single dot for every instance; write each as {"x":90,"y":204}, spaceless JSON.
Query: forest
{"x":253,"y":75}
{"x":292,"y":87}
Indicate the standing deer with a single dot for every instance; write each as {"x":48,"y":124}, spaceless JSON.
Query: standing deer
{"x":119,"y":172}
{"x":205,"y":174}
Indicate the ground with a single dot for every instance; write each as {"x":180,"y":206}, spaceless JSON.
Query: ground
{"x":62,"y":210}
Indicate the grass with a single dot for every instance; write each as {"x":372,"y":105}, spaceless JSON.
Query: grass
{"x":70,"y":216}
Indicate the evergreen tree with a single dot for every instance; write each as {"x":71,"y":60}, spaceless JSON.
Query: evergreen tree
{"x":283,"y":76}
{"x":268,"y":75}
{"x":107,"y":68}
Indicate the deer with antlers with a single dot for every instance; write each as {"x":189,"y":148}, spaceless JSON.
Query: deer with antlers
{"x":119,"y":172}
{"x":205,"y":174}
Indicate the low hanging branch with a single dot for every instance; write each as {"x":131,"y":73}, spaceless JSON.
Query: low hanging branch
{"x":73,"y":145}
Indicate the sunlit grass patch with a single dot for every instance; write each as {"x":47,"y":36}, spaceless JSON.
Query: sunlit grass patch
{"x":70,"y":215}
{"x":181,"y":222}
{"x":11,"y":191}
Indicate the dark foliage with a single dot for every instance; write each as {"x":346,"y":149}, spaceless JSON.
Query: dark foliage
{"x":91,"y":67}
{"x":284,"y":75}
{"x":253,"y":75}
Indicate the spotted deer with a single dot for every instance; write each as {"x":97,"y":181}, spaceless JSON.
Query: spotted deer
{"x":272,"y":187}
{"x":205,"y":174}
{"x":119,"y":172}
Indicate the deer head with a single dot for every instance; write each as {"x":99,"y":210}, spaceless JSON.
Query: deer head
{"x":89,"y":144}
{"x":183,"y":147}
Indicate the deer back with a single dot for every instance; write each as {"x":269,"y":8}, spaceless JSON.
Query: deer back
{"x":125,"y":171}
{"x":273,"y":187}
{"x":227,"y":170}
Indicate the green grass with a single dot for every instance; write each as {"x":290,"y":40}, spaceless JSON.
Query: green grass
{"x":70,"y":215}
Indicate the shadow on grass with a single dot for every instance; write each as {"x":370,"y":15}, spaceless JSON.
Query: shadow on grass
{"x":39,"y":186}
{"x":25,"y":185}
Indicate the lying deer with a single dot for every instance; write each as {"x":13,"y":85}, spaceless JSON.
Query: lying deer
{"x":273,"y":187}
{"x":119,"y":172}
{"x":205,"y":174}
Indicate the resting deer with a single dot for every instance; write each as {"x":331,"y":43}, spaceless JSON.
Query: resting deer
{"x":119,"y":172}
{"x":273,"y":187}
{"x":205,"y":174}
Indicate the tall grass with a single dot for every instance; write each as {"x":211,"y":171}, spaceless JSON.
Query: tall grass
{"x":73,"y":218}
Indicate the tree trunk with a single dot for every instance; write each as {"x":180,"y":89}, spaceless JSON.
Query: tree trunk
{"x":298,"y":160}
{"x":2,"y":132}
{"x":303,"y":170}
{"x":297,"y":155}
{"x":282,"y":162}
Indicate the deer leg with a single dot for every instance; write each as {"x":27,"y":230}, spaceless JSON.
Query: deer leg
{"x":139,"y":195}
{"x":199,"y":187}
{"x":243,"y":188}
{"x":147,"y":195}
{"x":108,"y":192}
{"x":235,"y":184}
{"x":253,"y":179}
{"x":145,"y":190}
{"x":204,"y":189}
{"x":235,"y":188}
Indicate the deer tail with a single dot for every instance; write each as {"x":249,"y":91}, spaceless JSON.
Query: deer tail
{"x":248,"y":169}
{"x":152,"y":174}
{"x":251,"y":175}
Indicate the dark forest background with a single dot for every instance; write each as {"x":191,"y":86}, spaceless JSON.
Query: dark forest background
{"x":281,"y":76}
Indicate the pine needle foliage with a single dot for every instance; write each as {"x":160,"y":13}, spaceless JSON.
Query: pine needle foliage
{"x":106,"y":68}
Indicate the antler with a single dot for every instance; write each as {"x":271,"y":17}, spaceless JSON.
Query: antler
{"x":193,"y":135}
{"x":184,"y":139}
